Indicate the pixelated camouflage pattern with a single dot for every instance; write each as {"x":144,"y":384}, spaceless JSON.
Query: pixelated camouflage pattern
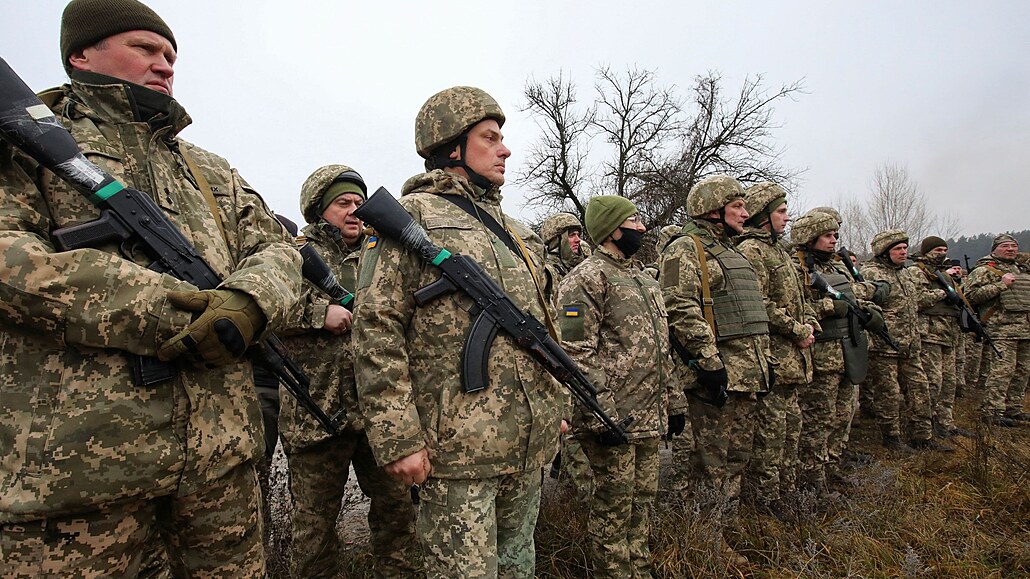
{"x":940,"y":365}
{"x":1005,"y":383}
{"x":985,"y":290}
{"x":829,"y":211}
{"x":613,"y":324}
{"x":811,"y":225}
{"x":774,"y":449}
{"x":900,"y":309}
{"x":408,"y":357}
{"x":315,"y":186}
{"x":901,"y":395}
{"x":555,"y":225}
{"x":723,"y":440}
{"x":938,"y":319}
{"x":713,"y":193}
{"x":883,"y":240}
{"x":559,"y":261}
{"x":75,"y":432}
{"x":449,"y":113}
{"x":759,"y":196}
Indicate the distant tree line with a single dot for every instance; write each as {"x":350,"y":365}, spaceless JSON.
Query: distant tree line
{"x":979,"y":245}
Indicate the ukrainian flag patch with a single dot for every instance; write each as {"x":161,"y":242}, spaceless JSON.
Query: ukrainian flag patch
{"x":372,"y":241}
{"x":571,"y":311}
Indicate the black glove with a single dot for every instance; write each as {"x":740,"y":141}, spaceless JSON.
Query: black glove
{"x":840,"y":308}
{"x":875,"y":322}
{"x":609,"y":438}
{"x":772,"y":376}
{"x":715,"y":383}
{"x":677,"y":422}
{"x":882,"y":292}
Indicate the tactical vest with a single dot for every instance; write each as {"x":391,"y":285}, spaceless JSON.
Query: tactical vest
{"x":941,"y":308}
{"x":836,"y":328}
{"x":739,"y":307}
{"x":1017,"y":297}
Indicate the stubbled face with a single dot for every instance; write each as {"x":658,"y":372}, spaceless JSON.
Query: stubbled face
{"x":139,"y":56}
{"x":955,"y":271}
{"x":574,"y":239}
{"x":736,"y":215}
{"x":485,"y":151}
{"x":826,"y":242}
{"x":898,"y":254}
{"x":341,"y":214}
{"x":779,"y":219}
{"x":1007,"y":250}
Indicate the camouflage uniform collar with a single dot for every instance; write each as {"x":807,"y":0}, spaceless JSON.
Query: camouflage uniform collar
{"x":111,"y":102}
{"x":755,"y":233}
{"x":623,"y":262}
{"x":326,"y":233}
{"x":885,"y":261}
{"x":440,"y":182}
{"x":708,"y":229}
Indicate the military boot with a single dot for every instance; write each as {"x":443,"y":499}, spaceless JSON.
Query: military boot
{"x":998,"y":420}
{"x":1019,"y":417}
{"x":956,"y":431}
{"x":932,"y":444}
{"x":891,"y":442}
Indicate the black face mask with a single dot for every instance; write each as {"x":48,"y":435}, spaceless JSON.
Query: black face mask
{"x":630,"y":241}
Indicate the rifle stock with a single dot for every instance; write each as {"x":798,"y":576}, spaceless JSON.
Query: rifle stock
{"x":972,"y":321}
{"x":819,"y":283}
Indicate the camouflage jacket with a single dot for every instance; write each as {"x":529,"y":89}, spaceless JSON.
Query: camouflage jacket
{"x":612,"y":318}
{"x":75,"y":432}
{"x":900,"y":309}
{"x":786,"y":302}
{"x":746,"y":359}
{"x":985,"y":290}
{"x":408,"y":357}
{"x":828,"y":356}
{"x":326,"y":358}
{"x":938,"y":319}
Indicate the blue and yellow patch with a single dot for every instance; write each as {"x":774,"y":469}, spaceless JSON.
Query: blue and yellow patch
{"x":372,"y":241}
{"x":571,"y":311}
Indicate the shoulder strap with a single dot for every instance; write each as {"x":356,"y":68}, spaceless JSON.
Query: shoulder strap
{"x":707,"y":304}
{"x":205,"y":188}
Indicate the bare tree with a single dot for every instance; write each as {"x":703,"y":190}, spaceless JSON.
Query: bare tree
{"x":555,"y":168}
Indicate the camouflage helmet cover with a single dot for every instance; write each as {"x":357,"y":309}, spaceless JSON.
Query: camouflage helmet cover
{"x":665,"y":234}
{"x":830,"y":211}
{"x":557,"y":224}
{"x":884,"y":240}
{"x":316,"y":184}
{"x":758,"y":197}
{"x":449,"y":113}
{"x":811,"y":225}
{"x":713,"y":193}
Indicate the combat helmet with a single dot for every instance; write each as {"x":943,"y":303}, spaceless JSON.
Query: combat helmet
{"x":318,"y":182}
{"x":451,"y":112}
{"x":665,"y":234}
{"x":712,"y":194}
{"x":883,"y":241}
{"x":552,"y":227}
{"x":811,"y":225}
{"x":830,"y":211}
{"x":762,"y":199}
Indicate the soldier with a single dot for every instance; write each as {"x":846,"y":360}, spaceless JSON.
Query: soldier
{"x":896,"y":377}
{"x":665,"y":234}
{"x":792,"y":327}
{"x":939,"y":332}
{"x":478,"y":455}
{"x":999,"y":286}
{"x":719,"y":327}
{"x":95,"y":466}
{"x":613,"y":324}
{"x":321,"y":343}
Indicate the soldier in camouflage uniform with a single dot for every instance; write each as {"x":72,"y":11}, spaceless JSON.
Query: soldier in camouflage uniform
{"x":613,"y":324}
{"x":792,"y":327}
{"x":478,"y":455}
{"x":999,"y":286}
{"x":939,"y":332}
{"x":718,"y":317}
{"x":96,"y":467}
{"x":665,"y":234}
{"x":320,"y":340}
{"x":899,"y":385}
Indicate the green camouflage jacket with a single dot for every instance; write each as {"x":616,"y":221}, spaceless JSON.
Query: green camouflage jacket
{"x":75,"y":432}
{"x":938,"y":319}
{"x":1002,"y":308}
{"x":786,"y":303}
{"x":900,"y":310}
{"x":746,"y":359}
{"x":613,"y":324}
{"x":408,"y":358}
{"x":326,"y":358}
{"x":828,"y":356}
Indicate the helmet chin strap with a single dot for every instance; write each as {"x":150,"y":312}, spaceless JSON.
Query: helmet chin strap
{"x":475,"y":178}
{"x":722,"y":220}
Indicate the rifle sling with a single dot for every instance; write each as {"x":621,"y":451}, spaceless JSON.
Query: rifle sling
{"x":707,"y":303}
{"x":205,"y":188}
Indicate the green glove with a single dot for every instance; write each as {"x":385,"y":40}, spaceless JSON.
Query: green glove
{"x":840,"y":308}
{"x":875,"y":323}
{"x":227,"y":323}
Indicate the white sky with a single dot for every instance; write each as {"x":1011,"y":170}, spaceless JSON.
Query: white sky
{"x":281,"y":88}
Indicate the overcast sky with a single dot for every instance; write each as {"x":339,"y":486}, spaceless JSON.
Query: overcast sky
{"x":281,"y":88}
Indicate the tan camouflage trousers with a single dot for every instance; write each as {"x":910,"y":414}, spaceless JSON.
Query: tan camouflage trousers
{"x":575,"y":468}
{"x":817,"y":401}
{"x":1006,"y":383}
{"x":475,"y":528}
{"x":213,"y":533}
{"x":723,"y":438}
{"x":621,"y":507}
{"x":774,"y":455}
{"x":845,"y":404}
{"x":939,"y":364}
{"x":974,"y":358}
{"x":318,"y":475}
{"x":899,"y":389}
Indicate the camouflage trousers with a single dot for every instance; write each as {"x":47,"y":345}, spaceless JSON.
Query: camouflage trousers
{"x":318,"y":476}
{"x":621,"y":507}
{"x":899,"y":389}
{"x":817,"y":401}
{"x":974,"y":359}
{"x":845,"y":403}
{"x":774,"y":455}
{"x":723,"y":438}
{"x":473,"y":528}
{"x":574,"y":466}
{"x":1006,"y":383}
{"x":939,"y":364}
{"x":215,"y":532}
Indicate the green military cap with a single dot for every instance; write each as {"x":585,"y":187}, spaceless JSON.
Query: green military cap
{"x":605,"y":213}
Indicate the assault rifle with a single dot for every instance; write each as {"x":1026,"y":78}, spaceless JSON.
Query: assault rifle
{"x":317,"y":272}
{"x":968,"y":320}
{"x":845,"y":256}
{"x":819,"y":283}
{"x":493,"y":310}
{"x":131,"y":218}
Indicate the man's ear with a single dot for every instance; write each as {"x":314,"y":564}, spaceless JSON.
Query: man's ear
{"x":456,"y":153}
{"x":79,"y":60}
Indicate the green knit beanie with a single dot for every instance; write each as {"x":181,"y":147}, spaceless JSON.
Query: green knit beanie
{"x":339,"y":188}
{"x":605,"y":213}
{"x":87,"y":22}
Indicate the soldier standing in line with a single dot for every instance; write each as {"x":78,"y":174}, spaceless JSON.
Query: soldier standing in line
{"x":613,"y":324}
{"x":664,"y":235}
{"x":720,"y":328}
{"x":320,"y":341}
{"x":100,"y":471}
{"x":999,"y":286}
{"x":939,"y":331}
{"x":900,"y":388}
{"x":792,"y":327}
{"x":478,"y":455}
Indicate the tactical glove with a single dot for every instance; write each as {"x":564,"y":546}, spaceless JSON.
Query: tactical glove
{"x":882,"y":292}
{"x":840,"y":308}
{"x":677,"y":422}
{"x":715,"y":383}
{"x":875,"y":322}
{"x":227,"y":323}
{"x":609,"y":438}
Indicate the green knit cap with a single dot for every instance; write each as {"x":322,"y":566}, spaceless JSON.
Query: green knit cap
{"x":605,"y":213}
{"x":87,"y":22}
{"x":339,"y":188}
